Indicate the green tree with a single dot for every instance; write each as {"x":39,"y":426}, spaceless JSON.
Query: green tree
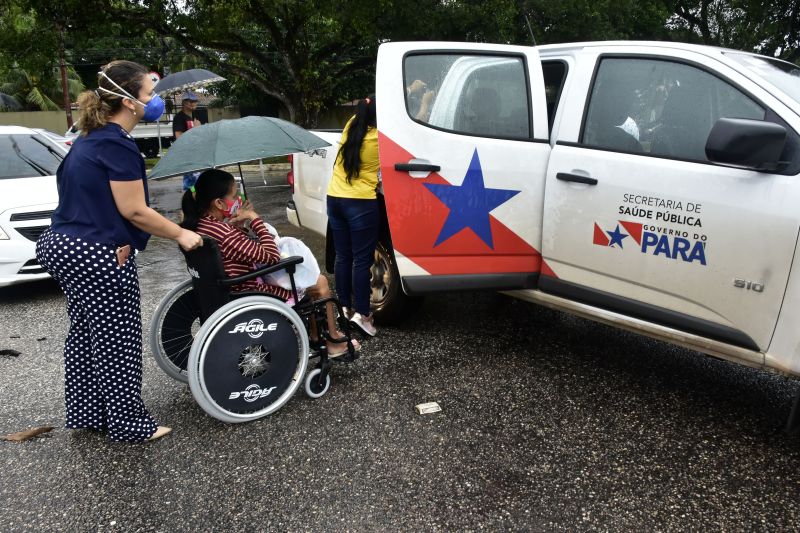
{"x":769,"y":27}
{"x":40,"y":92}
{"x":312,"y":54}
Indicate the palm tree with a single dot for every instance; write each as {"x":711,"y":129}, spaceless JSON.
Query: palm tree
{"x":40,"y":93}
{"x":8,"y":103}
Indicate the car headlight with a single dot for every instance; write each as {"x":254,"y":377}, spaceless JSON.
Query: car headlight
{"x":3,"y":235}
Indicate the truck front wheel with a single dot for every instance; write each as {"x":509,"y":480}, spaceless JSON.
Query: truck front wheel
{"x":388,"y":301}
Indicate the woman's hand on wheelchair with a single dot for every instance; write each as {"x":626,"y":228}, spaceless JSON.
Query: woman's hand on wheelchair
{"x":189,"y":240}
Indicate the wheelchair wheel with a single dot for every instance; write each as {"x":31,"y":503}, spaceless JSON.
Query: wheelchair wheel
{"x":172,"y":330}
{"x":315,"y":386}
{"x":248,"y":359}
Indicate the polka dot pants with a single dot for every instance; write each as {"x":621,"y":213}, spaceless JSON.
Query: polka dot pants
{"x":103,"y":350}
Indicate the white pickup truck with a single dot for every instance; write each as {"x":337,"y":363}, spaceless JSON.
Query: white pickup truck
{"x":146,"y":135}
{"x":650,"y":186}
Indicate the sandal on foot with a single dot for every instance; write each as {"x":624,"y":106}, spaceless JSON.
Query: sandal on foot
{"x":345,"y":351}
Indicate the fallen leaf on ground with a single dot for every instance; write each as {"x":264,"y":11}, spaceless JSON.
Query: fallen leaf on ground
{"x":27,"y":434}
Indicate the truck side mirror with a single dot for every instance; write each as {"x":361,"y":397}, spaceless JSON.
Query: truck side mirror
{"x":742,"y":142}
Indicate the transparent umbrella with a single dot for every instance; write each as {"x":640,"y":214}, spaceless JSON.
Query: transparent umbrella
{"x":186,"y":80}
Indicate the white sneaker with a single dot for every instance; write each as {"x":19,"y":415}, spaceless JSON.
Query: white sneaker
{"x":364,"y":323}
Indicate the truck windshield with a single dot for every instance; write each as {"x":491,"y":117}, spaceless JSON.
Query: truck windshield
{"x":26,"y":155}
{"x":782,"y":74}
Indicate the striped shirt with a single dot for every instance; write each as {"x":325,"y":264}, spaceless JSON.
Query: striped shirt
{"x":240,"y":253}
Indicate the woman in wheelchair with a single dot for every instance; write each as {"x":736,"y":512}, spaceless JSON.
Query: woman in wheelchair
{"x":214,"y":209}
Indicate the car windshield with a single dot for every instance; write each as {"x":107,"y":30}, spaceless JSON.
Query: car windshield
{"x":23,"y":155}
{"x":782,"y":74}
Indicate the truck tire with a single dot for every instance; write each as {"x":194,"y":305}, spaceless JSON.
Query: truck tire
{"x":389,"y":303}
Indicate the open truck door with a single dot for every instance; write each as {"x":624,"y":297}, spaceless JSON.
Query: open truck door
{"x":463,"y":139}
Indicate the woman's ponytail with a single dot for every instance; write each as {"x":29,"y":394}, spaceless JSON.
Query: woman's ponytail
{"x":350,"y":152}
{"x":191,"y":211}
{"x":94,"y":111}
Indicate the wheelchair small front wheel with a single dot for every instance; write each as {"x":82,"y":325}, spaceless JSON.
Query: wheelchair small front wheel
{"x":316,"y":387}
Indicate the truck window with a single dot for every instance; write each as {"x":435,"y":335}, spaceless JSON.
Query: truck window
{"x":660,"y":107}
{"x":481,"y":95}
{"x":555,"y":72}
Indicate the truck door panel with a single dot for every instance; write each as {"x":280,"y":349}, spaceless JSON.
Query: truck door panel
{"x":662,"y":228}
{"x":475,"y":116}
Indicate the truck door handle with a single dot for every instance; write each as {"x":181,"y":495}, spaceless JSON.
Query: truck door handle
{"x":566,"y":176}
{"x":417,"y":167}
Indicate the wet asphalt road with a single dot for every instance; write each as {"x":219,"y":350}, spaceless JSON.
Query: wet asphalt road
{"x":549,"y":423}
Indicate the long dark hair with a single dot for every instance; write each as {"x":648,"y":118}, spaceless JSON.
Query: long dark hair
{"x":97,"y":106}
{"x":211,"y":184}
{"x":350,"y":152}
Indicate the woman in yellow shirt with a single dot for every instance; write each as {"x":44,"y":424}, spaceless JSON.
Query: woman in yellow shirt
{"x":353,"y":213}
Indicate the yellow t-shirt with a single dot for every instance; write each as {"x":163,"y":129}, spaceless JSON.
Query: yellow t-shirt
{"x":364,"y":185}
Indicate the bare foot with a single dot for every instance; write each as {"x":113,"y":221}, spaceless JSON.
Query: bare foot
{"x":160,"y":432}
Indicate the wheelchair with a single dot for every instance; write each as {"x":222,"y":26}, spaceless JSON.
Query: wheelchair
{"x":243,"y":354}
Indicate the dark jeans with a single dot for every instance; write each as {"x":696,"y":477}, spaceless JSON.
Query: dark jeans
{"x":355,"y":234}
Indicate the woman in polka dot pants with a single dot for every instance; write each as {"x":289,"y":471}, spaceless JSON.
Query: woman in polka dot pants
{"x":101,"y":219}
{"x":103,"y":350}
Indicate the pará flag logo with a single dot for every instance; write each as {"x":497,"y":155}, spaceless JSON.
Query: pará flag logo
{"x":674,"y":244}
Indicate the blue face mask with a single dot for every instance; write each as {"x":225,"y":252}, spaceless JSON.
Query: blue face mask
{"x":152,"y":109}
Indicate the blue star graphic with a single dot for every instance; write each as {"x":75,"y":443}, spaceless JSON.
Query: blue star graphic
{"x":469,"y":204}
{"x":616,"y":237}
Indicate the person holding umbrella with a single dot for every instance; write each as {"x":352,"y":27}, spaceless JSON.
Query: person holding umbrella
{"x":101,"y":219}
{"x":184,"y":121}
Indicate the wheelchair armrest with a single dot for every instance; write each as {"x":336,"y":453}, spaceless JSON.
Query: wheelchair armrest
{"x":287,"y":264}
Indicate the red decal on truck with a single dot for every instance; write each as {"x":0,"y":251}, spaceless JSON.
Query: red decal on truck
{"x":431,"y":230}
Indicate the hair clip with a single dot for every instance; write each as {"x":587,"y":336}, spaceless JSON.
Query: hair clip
{"x":192,"y":189}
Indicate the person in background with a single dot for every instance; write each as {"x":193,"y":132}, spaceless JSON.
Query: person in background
{"x":102,"y":218}
{"x":420,"y":100}
{"x":215,"y":210}
{"x":353,"y":213}
{"x":184,"y":121}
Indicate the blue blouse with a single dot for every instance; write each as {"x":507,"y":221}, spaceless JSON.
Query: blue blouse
{"x":86,"y":207}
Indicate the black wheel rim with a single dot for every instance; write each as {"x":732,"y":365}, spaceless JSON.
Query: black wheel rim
{"x":245,"y":371}
{"x":180,"y":325}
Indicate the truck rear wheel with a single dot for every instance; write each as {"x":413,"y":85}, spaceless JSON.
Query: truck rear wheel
{"x":388,"y":301}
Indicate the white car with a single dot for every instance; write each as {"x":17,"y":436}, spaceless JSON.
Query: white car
{"x":146,"y":135}
{"x":61,"y":142}
{"x":28,"y":197}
